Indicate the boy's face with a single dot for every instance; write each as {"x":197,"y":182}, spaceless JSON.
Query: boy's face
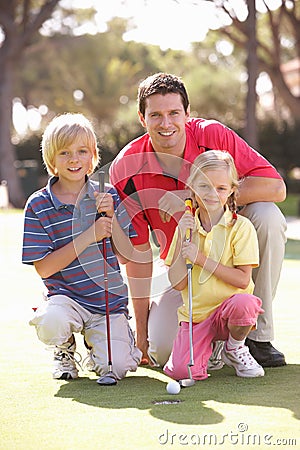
{"x":165,"y":120}
{"x":74,"y":162}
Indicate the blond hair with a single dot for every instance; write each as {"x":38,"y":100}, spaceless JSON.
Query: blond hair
{"x":216,"y":159}
{"x":61,"y":132}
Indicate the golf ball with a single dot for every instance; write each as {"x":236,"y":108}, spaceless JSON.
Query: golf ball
{"x":173,"y":387}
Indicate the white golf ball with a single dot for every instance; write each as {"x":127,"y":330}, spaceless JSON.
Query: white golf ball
{"x":173,"y":387}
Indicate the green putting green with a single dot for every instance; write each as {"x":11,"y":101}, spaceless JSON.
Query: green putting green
{"x":39,"y":413}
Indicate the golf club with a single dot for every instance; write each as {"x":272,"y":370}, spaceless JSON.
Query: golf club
{"x":187,"y":382}
{"x":109,"y":378}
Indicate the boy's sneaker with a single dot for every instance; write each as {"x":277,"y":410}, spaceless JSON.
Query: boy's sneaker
{"x":242,"y":361}
{"x":64,"y":362}
{"x":88,"y":363}
{"x":215,"y":361}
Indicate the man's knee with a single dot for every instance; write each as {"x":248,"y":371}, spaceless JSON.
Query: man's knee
{"x":266,"y":217}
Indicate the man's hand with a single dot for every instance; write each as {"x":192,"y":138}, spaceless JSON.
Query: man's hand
{"x":142,"y":344}
{"x":170,"y":203}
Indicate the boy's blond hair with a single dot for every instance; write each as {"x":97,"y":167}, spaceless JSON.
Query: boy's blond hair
{"x":61,"y":132}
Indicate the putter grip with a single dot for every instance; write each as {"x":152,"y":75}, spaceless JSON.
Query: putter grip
{"x":101,"y":186}
{"x":101,"y":181}
{"x":188,"y":210}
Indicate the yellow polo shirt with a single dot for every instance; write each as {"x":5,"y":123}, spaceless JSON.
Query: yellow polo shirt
{"x":232,"y":246}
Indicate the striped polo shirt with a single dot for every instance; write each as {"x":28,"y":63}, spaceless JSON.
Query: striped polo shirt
{"x":50,"y":224}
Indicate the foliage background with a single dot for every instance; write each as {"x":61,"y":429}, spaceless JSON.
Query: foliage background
{"x":44,"y":62}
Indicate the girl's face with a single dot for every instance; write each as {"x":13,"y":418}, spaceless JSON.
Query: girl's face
{"x":212,"y":188}
{"x":74,"y":161}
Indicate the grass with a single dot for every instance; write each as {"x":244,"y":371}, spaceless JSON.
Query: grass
{"x":38,"y":413}
{"x":291,"y":205}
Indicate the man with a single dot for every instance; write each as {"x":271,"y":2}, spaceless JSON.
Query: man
{"x":150,"y":174}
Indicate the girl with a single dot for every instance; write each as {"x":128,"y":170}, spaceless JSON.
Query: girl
{"x":223,"y":250}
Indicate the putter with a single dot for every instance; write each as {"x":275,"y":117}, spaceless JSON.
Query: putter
{"x":187,"y":382}
{"x":109,"y":379}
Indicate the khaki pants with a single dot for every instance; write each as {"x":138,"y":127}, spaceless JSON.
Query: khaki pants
{"x":59,"y":317}
{"x":270,"y":225}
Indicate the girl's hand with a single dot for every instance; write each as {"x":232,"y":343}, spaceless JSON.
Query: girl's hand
{"x":189,"y":251}
{"x":104,"y":203}
{"x":187,"y":222}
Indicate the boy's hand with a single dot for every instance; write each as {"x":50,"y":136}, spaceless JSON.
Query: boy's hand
{"x":104,"y":203}
{"x":103,"y":228}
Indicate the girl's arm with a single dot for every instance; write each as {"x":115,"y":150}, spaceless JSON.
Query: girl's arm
{"x":238,"y":276}
{"x":178,"y":269}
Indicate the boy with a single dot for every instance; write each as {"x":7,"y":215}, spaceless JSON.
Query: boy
{"x":64,"y":234}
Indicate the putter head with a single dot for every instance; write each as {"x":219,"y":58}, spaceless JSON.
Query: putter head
{"x":188,"y":382}
{"x":108,"y":379}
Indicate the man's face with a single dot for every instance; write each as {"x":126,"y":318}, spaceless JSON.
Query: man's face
{"x":165,"y":121}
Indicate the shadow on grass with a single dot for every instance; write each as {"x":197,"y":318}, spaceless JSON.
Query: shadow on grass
{"x":277,"y":389}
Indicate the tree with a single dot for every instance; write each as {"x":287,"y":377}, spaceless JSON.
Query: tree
{"x":252,"y":68}
{"x":19,"y":22}
{"x":278,"y":41}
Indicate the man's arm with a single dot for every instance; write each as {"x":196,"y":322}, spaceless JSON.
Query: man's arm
{"x":251,"y":189}
{"x":261,"y":189}
{"x":139,"y":280}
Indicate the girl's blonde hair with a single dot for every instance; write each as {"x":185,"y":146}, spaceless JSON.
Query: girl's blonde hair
{"x":216,"y":159}
{"x":61,"y":132}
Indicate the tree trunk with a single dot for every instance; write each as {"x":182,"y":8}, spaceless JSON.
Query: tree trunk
{"x":8,"y":170}
{"x":252,"y":68}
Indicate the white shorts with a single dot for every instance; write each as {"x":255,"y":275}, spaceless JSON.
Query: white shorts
{"x":59,"y":317}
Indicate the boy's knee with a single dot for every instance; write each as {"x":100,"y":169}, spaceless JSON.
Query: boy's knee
{"x":49,"y":322}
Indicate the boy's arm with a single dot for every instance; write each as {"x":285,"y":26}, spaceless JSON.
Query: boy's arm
{"x":62,"y":257}
{"x":121,"y":243}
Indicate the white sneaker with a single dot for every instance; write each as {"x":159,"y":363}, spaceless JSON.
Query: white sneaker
{"x":88,"y":363}
{"x":64,"y":364}
{"x":215,"y":361}
{"x":242,"y":361}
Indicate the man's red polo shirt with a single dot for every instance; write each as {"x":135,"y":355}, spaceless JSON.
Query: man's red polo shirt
{"x":141,"y":181}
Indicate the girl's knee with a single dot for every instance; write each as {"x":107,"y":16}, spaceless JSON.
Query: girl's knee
{"x":242,"y":306}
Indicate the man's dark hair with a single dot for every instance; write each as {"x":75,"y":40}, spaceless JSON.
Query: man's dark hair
{"x":161,"y":83}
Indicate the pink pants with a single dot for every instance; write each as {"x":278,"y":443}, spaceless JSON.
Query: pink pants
{"x":239,"y":310}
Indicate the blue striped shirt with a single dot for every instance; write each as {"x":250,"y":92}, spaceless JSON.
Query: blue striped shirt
{"x":50,"y":224}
